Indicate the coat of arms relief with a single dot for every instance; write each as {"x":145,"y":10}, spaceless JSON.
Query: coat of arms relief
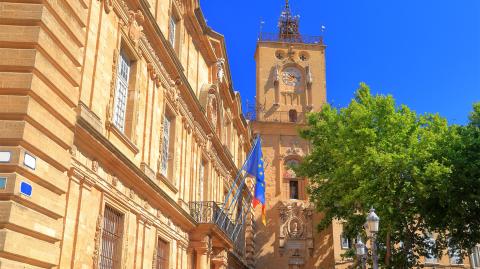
{"x":296,"y":231}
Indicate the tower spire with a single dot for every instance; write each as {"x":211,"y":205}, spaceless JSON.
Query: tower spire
{"x":288,"y":24}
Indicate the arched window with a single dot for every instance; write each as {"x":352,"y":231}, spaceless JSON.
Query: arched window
{"x":292,"y":115}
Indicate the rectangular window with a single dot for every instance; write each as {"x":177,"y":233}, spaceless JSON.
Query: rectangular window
{"x":344,"y":241}
{"x":111,"y":239}
{"x":475,"y":257}
{"x":431,"y":258}
{"x":162,"y":254}
{"x":165,"y":145}
{"x":121,"y":92}
{"x":455,"y":256}
{"x":172,"y":31}
{"x":293,"y":189}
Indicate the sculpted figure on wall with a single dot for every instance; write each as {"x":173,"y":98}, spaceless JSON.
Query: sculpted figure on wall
{"x":220,"y":71}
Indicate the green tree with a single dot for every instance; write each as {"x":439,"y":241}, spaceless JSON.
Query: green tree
{"x":374,"y":153}
{"x":453,"y":205}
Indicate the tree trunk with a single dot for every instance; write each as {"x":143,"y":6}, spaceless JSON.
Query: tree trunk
{"x":389,"y":250}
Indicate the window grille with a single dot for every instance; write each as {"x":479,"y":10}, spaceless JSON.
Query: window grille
{"x":121,"y":93}
{"x":165,"y":145}
{"x":162,"y":255}
{"x":172,"y":33}
{"x":111,"y":239}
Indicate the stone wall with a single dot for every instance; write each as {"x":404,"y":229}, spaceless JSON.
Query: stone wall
{"x":59,"y":64}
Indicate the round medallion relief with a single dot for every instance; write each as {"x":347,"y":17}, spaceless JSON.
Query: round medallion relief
{"x":295,"y":227}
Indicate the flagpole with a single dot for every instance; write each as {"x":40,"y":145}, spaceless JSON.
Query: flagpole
{"x":237,"y":177}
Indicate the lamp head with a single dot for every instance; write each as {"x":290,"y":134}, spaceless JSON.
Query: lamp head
{"x":373,"y":221}
{"x":360,"y":247}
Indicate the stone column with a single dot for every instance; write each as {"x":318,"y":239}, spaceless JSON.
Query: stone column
{"x":202,"y":249}
{"x":202,"y":258}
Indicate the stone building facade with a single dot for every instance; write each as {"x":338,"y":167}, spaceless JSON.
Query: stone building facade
{"x":290,"y":82}
{"x":120,"y":134}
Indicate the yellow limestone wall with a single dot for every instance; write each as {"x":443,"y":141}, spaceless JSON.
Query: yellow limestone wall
{"x":58,"y":65}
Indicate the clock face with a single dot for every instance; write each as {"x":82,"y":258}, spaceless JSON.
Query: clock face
{"x":291,"y":76}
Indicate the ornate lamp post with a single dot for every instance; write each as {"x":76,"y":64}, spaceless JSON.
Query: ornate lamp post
{"x":373,"y":222}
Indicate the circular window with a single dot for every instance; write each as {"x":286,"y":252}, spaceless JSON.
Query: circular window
{"x":280,"y":54}
{"x":303,"y":56}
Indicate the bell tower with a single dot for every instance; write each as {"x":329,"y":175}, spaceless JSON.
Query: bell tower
{"x":290,"y":82}
{"x":290,"y":72}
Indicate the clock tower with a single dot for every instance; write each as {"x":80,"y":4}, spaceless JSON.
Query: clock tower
{"x":290,"y":82}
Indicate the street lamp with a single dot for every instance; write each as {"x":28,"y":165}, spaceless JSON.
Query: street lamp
{"x":360,"y":250}
{"x":373,"y":222}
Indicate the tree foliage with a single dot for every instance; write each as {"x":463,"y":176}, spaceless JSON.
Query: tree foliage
{"x":374,"y":153}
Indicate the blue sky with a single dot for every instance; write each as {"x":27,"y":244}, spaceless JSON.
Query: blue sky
{"x":426,"y":53}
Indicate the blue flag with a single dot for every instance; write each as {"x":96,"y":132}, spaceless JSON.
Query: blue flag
{"x":254,"y":167}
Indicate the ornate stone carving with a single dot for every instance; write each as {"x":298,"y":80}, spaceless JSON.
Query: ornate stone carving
{"x":107,"y":5}
{"x":135,"y":28}
{"x":212,"y":110}
{"x":154,"y":74}
{"x":73,"y":151}
{"x":296,"y":226}
{"x":220,"y":70}
{"x":97,"y":239}
{"x":114,"y":181}
{"x":95,"y":166}
{"x":309,"y":76}
{"x":276,"y":74}
{"x":294,"y":149}
{"x":111,"y":100}
{"x":132,"y":194}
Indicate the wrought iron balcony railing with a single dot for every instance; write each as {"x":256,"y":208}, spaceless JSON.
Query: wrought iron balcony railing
{"x":294,"y":38}
{"x":209,"y":212}
{"x":212,"y":213}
